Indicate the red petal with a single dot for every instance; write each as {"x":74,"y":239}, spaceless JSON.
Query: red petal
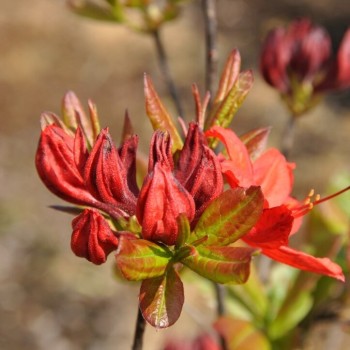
{"x":272,"y":230}
{"x":273,"y":173}
{"x":239,"y":164}
{"x":306,"y":262}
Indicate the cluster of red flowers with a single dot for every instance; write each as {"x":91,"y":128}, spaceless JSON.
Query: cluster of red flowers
{"x":104,"y":178}
{"x":179,"y":212}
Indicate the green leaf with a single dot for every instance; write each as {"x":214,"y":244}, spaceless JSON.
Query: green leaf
{"x":290,"y":315}
{"x":221,"y":264}
{"x":230,"y":216}
{"x":91,"y":10}
{"x":158,"y":115}
{"x":184,"y":230}
{"x":161,"y":299}
{"x":252,"y":295}
{"x":241,"y":335}
{"x":227,"y":109}
{"x":228,"y":76}
{"x":140,"y":259}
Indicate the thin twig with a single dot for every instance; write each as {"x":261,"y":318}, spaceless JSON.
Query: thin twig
{"x":164,"y":66}
{"x":220,"y":308}
{"x":139,"y":331}
{"x":210,"y":26}
{"x":288,"y":137}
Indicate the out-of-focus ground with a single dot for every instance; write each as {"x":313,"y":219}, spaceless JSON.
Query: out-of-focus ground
{"x":49,"y":299}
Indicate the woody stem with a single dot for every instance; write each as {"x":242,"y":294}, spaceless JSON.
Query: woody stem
{"x":164,"y":67}
{"x":210,"y":24}
{"x":139,"y":331}
{"x":220,"y":308}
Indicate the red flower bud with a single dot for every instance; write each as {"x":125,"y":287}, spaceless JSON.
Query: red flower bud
{"x":199,"y":170}
{"x":106,"y":175}
{"x":92,"y":238}
{"x":162,"y":198}
{"x":301,"y":53}
{"x":59,"y":161}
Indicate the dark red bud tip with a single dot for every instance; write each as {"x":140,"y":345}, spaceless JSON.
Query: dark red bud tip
{"x":92,"y":238}
{"x":160,"y":151}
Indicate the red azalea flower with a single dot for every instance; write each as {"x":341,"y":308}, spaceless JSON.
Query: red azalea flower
{"x":270,"y":170}
{"x":282,"y":214}
{"x":302,"y":53}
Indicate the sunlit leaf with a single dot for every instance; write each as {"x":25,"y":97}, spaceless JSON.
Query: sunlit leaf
{"x":158,"y":115}
{"x":227,"y":109}
{"x":228,"y":76}
{"x":221,"y":264}
{"x":241,"y":335}
{"x":255,"y":141}
{"x":140,"y":259}
{"x":230,"y":216}
{"x":161,"y":299}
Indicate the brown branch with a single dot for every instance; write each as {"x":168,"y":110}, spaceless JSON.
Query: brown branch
{"x":139,"y":331}
{"x":164,"y":67}
{"x":210,"y":24}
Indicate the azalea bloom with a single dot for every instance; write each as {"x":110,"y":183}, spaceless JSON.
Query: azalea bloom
{"x":104,"y":178}
{"x":298,"y":61}
{"x":282,"y":213}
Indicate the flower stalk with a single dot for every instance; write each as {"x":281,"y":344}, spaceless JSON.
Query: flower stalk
{"x":139,"y":331}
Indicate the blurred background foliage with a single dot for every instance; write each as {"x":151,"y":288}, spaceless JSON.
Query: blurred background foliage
{"x":48,"y":297}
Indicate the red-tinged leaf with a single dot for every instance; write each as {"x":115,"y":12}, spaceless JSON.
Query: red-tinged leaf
{"x":274,"y":174}
{"x":272,"y":230}
{"x":255,"y":141}
{"x":49,"y":118}
{"x":306,"y":262}
{"x":71,"y":108}
{"x":201,"y":108}
{"x":161,"y":299}
{"x":139,"y":259}
{"x":128,"y":129}
{"x":221,"y":264}
{"x":230,"y":216}
{"x":229,"y":75}
{"x":240,"y":334}
{"x":239,"y":168}
{"x":158,"y":115}
{"x":95,"y":122}
{"x":227,"y":109}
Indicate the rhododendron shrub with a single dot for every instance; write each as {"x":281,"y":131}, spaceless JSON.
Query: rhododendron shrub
{"x":194,"y":208}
